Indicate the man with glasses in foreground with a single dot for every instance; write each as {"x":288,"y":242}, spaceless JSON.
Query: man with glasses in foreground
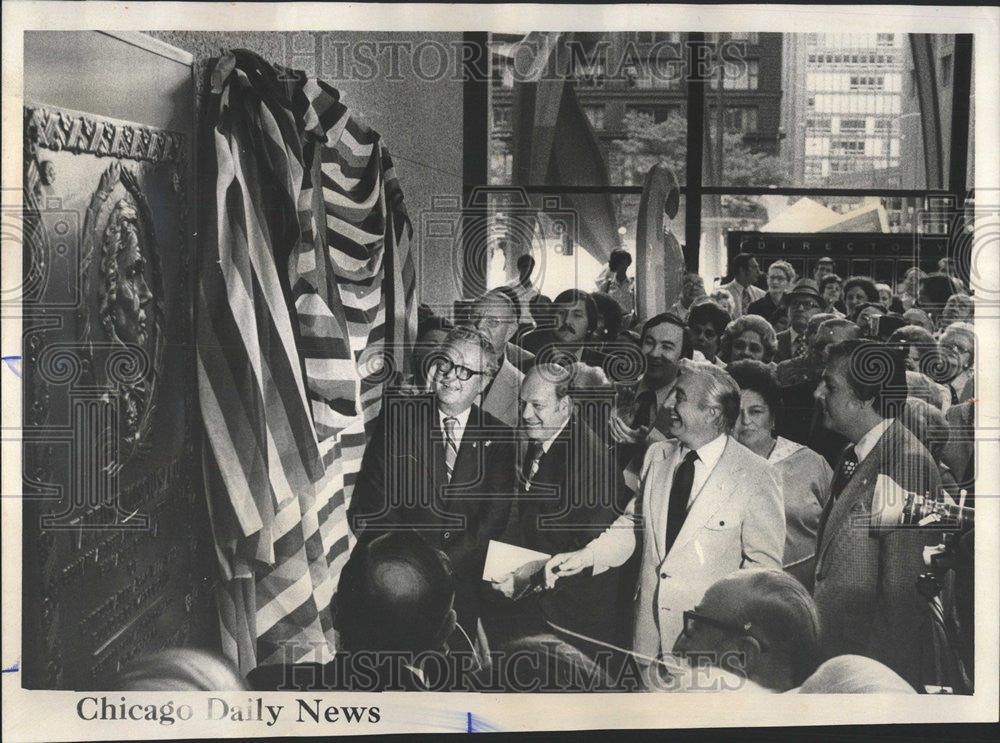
{"x":448,"y":465}
{"x":760,"y":624}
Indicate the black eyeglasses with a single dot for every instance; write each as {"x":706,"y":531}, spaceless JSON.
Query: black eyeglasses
{"x":463,"y":373}
{"x":691,"y":618}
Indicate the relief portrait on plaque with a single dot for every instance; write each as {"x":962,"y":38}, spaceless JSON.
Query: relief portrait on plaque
{"x":120,"y":236}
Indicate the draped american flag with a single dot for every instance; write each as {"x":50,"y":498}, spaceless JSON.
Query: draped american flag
{"x":305,"y":308}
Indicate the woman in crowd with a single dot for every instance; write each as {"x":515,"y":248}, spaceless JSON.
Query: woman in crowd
{"x":864,"y":315}
{"x":916,"y":316}
{"x":707,"y":322}
{"x":780,"y":276}
{"x":830,"y":289}
{"x":804,"y":475}
{"x":748,"y":337}
{"x":857,"y":291}
{"x":958,"y":308}
{"x":909,"y":289}
{"x":884,"y":294}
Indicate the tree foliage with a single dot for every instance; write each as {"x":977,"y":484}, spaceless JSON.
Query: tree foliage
{"x":647,"y":143}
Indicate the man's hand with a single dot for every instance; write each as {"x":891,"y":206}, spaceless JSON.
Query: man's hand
{"x":623,"y":434}
{"x":567,"y":563}
{"x":504,"y":586}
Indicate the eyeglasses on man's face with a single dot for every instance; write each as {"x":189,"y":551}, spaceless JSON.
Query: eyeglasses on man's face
{"x":445,"y":366}
{"x":692,"y":619}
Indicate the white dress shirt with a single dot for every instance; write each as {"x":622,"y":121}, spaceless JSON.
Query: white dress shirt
{"x":708,"y":456}
{"x":864,"y":447}
{"x":462,"y":418}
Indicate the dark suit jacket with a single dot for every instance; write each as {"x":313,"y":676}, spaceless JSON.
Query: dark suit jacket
{"x":784,"y":351}
{"x":403,"y":484}
{"x":865,"y":579}
{"x":765,"y":307}
{"x":570,"y":502}
{"x":541,"y":343}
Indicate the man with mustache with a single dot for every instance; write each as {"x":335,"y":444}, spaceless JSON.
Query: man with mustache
{"x":570,"y":340}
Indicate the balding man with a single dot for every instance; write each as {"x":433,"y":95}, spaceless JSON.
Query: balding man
{"x":760,"y":624}
{"x":496,"y":315}
{"x":394,"y":607}
{"x":707,"y":506}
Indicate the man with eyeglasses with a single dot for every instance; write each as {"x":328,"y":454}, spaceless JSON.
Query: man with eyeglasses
{"x":496,"y":315}
{"x":442,"y":466}
{"x":804,"y":301}
{"x":958,"y":349}
{"x":761,"y":625}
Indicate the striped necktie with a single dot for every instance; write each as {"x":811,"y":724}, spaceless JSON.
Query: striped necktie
{"x":745,"y":300}
{"x":451,"y":445}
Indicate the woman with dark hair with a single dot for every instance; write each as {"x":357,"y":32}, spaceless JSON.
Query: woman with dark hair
{"x":831,"y":289}
{"x":804,"y":475}
{"x":857,"y":291}
{"x":863,"y":317}
{"x":707,"y":322}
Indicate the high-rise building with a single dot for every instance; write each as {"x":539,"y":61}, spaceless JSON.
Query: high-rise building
{"x":645,"y":73}
{"x":842,"y":108}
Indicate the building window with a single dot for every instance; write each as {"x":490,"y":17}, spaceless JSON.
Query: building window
{"x":738,"y":78}
{"x":740,"y":119}
{"x":595,"y":115}
{"x":884,"y":39}
{"x":867,"y":82}
{"x":852,"y":125}
{"x":946,"y":69}
{"x":658,"y":114}
{"x":501,"y":117}
{"x":847,"y":147}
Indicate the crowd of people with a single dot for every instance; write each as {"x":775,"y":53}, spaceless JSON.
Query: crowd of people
{"x":696,"y":492}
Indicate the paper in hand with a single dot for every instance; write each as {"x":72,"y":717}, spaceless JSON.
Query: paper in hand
{"x":502,"y":559}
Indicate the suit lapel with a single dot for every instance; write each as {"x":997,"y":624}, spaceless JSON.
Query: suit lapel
{"x":860,"y":485}
{"x":657,"y":496}
{"x":713,"y":494}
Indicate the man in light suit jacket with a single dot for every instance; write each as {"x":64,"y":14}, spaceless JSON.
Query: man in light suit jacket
{"x":707,"y":505}
{"x":496,"y":315}
{"x":866,"y":572}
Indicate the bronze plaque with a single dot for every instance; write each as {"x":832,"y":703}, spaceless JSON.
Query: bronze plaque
{"x":117,"y":543}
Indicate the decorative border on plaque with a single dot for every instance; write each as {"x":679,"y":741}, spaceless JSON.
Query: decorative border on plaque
{"x":57,"y":129}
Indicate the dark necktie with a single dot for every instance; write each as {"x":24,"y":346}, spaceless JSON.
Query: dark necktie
{"x":848,"y":463}
{"x":531,"y":460}
{"x":745,"y":300}
{"x":451,"y":445}
{"x":645,"y":404}
{"x":680,"y":494}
